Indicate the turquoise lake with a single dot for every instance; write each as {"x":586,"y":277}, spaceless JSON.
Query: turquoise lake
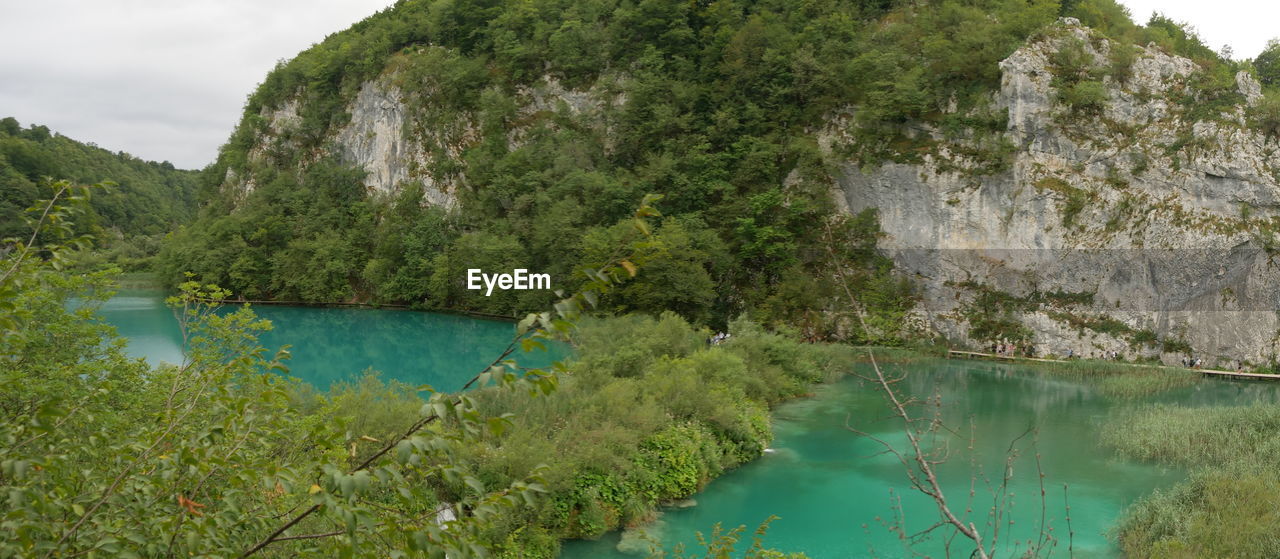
{"x":333,"y":344}
{"x":835,"y":493}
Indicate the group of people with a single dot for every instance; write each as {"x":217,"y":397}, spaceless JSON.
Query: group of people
{"x":1012,"y":350}
{"x":1111,"y":354}
{"x":1192,"y":362}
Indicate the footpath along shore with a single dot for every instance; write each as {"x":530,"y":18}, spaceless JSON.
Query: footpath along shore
{"x":1207,"y":372}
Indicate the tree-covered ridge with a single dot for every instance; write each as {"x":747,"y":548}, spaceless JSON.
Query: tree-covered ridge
{"x":716,"y":105}
{"x":148,"y":198}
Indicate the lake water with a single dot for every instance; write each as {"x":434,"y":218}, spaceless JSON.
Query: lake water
{"x":835,"y":495}
{"x":332,"y":344}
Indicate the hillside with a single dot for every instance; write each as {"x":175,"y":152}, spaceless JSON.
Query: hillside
{"x":149,"y":198}
{"x":788,"y":141}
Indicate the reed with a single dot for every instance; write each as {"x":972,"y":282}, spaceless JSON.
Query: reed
{"x":1230,"y":505}
{"x":1122,"y":381}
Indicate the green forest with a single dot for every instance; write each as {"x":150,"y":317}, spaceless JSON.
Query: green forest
{"x":701,"y":204}
{"x":146,"y":200}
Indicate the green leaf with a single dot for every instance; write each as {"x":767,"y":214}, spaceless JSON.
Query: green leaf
{"x":497,"y":426}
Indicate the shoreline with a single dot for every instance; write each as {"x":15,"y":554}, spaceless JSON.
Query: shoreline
{"x":136,"y":281}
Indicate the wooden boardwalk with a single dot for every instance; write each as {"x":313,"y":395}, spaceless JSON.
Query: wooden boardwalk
{"x":1207,"y":372}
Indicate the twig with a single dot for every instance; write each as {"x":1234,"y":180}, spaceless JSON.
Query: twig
{"x":276,"y":535}
{"x":35,"y":232}
{"x":933,"y":489}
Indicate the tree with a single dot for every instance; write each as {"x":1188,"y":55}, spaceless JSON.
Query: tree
{"x":1267,"y":64}
{"x":926,"y":448}
{"x":10,"y":126}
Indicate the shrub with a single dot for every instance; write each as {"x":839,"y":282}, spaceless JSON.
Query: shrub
{"x":1265,"y":116}
{"x":1086,"y":97}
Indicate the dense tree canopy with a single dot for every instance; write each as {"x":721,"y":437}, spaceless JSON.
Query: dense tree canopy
{"x":1267,"y":64}
{"x":148,"y":198}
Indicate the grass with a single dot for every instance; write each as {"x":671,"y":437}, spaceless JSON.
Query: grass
{"x":1120,"y":380}
{"x":1196,"y":436}
{"x":1124,"y":381}
{"x":1229,"y":507}
{"x":1222,"y":513}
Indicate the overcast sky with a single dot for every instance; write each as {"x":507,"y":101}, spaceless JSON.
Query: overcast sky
{"x":166,"y":79}
{"x":161,"y":79}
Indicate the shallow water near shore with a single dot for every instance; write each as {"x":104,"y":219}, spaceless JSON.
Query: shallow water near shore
{"x":838,"y":496}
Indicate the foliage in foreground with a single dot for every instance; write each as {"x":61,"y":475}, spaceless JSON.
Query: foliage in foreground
{"x":221,"y":456}
{"x":213,"y":456}
{"x":105,"y":457}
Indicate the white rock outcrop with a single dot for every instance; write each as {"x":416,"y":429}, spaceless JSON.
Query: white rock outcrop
{"x":1163,"y":220}
{"x":396,"y":143}
{"x":377,"y":139}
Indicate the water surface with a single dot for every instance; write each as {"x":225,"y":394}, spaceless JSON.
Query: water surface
{"x":838,"y":496}
{"x":333,"y":344}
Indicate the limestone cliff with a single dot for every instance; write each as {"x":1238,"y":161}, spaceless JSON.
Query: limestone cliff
{"x":396,"y":138}
{"x":1143,"y":225}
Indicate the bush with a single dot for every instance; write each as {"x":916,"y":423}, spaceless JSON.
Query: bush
{"x":1265,"y":116}
{"x":649,"y":413}
{"x":1086,"y":97}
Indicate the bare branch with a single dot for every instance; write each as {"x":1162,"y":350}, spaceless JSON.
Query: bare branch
{"x":924,"y":464}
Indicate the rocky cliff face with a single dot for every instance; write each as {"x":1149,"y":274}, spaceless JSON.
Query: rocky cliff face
{"x":396,"y":141}
{"x":377,"y":140}
{"x":1140,"y":225}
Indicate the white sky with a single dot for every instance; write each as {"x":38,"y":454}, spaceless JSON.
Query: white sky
{"x":1246,"y":25}
{"x":166,"y":79}
{"x":160,"y":79}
